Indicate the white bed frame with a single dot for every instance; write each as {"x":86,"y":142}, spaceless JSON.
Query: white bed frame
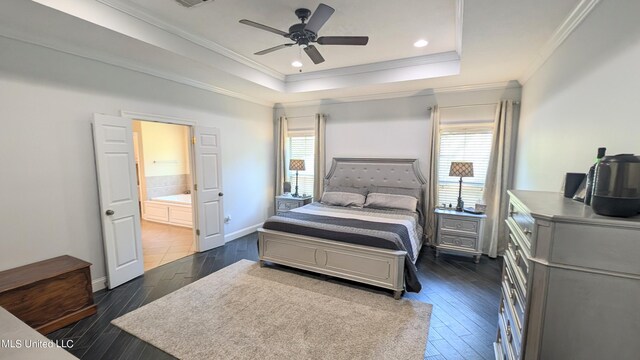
{"x":365,"y":264}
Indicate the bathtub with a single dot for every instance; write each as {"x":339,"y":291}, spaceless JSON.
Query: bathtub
{"x":184,"y":199}
{"x":171,"y":209}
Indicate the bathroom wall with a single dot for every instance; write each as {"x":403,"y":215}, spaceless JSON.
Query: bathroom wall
{"x":165,"y":157}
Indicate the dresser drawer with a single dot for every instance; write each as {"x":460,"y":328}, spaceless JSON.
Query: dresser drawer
{"x":522,"y":223}
{"x":514,"y":298}
{"x":458,"y":241}
{"x":471,"y":227}
{"x":518,"y":266}
{"x":505,"y":335}
{"x":512,"y":326}
{"x":283,"y":205}
{"x":520,"y":256}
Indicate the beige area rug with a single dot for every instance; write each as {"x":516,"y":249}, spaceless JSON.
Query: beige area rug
{"x":247,"y":312}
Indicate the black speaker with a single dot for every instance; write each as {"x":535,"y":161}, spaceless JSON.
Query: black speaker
{"x":286,"y":188}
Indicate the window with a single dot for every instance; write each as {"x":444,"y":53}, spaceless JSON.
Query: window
{"x":300,"y":145}
{"x":463,"y":144}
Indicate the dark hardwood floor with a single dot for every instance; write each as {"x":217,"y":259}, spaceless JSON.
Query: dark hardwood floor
{"x":465,"y":298}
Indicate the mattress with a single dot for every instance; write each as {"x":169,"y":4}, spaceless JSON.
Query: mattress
{"x":387,"y":229}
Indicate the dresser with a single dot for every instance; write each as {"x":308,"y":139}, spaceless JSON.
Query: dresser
{"x":287,"y":202}
{"x":459,"y":233}
{"x":570,"y":282}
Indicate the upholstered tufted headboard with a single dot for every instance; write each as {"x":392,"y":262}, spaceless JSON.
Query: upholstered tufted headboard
{"x":364,"y":172}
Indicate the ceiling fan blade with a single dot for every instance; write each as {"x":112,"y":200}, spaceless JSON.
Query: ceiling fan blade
{"x":319,"y":17}
{"x":264,"y":27}
{"x":343,"y":40}
{"x":314,"y":54}
{"x":266,"y":51}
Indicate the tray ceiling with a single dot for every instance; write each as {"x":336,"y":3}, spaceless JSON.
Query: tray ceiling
{"x":499,"y":41}
{"x":392,"y":27}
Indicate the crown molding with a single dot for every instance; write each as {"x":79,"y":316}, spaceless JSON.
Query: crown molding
{"x":579,"y":13}
{"x":71,"y":50}
{"x":459,"y":27}
{"x":403,"y":94}
{"x":198,"y":40}
{"x":374,"y":67}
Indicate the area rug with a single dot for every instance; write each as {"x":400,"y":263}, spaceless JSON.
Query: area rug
{"x":247,"y":312}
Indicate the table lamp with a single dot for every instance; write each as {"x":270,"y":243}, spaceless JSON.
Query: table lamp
{"x":297,"y":165}
{"x":461,"y":169}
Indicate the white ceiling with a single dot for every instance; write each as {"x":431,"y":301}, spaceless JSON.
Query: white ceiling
{"x":217,"y":21}
{"x":206,"y":47}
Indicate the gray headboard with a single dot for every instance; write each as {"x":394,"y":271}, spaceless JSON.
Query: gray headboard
{"x":363,"y":172}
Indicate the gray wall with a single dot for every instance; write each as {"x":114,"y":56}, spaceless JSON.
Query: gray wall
{"x":585,"y":96}
{"x":48,"y":189}
{"x":397,"y":127}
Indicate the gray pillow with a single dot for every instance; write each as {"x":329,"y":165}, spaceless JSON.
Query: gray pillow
{"x":396,"y":191}
{"x":391,"y":201}
{"x":350,"y":189}
{"x":344,"y":196}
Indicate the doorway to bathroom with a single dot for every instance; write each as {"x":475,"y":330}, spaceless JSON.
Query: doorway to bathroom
{"x":122,"y":207}
{"x":164,"y":183}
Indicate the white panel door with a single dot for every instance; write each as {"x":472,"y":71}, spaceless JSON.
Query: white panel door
{"x":209,"y":188}
{"x":115,"y":163}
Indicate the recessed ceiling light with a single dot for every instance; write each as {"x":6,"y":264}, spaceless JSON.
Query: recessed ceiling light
{"x":296,"y":64}
{"x":421,"y":43}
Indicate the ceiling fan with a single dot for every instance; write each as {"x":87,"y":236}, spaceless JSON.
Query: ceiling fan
{"x":305,"y":34}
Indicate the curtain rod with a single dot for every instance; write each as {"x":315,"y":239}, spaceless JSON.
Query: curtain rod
{"x":301,"y":116}
{"x":471,"y":105}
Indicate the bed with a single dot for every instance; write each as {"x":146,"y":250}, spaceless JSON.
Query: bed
{"x":354,"y":244}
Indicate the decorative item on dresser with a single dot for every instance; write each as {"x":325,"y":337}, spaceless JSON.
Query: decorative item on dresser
{"x":285,"y":203}
{"x":459,"y":233}
{"x":50,"y":294}
{"x":570,"y":282}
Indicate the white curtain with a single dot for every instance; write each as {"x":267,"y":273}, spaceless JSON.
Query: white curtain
{"x":281,"y":154}
{"x":319,"y":156}
{"x":432,"y":184}
{"x":499,"y":179}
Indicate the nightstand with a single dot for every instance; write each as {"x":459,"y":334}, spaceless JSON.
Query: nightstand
{"x":459,"y":233}
{"x":287,"y":202}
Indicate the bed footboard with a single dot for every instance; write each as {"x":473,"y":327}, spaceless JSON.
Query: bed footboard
{"x":365,"y":264}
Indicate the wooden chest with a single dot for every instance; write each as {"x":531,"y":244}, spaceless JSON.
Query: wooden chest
{"x":50,"y":294}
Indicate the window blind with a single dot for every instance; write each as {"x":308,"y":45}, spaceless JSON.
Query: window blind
{"x":463,"y":144}
{"x":301,"y":146}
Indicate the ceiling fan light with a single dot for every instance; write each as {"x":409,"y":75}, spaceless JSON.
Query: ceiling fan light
{"x":296,"y":64}
{"x":421,"y":43}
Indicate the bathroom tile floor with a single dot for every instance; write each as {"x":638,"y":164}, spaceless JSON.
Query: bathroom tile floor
{"x":163,"y":243}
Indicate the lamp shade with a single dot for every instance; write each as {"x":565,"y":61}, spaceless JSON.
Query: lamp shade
{"x":461,"y":169}
{"x":296,"y":164}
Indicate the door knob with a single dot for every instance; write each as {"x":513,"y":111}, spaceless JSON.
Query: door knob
{"x":220,"y":194}
{"x":109,"y":212}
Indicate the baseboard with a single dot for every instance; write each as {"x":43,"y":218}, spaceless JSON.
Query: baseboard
{"x":99,"y":283}
{"x":242,"y":232}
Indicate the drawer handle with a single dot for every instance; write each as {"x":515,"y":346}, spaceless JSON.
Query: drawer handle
{"x":509,"y":334}
{"x":527,"y":231}
{"x":501,"y":307}
{"x":513,"y":296}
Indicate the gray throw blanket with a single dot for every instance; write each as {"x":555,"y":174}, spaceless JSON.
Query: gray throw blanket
{"x":316,"y":220}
